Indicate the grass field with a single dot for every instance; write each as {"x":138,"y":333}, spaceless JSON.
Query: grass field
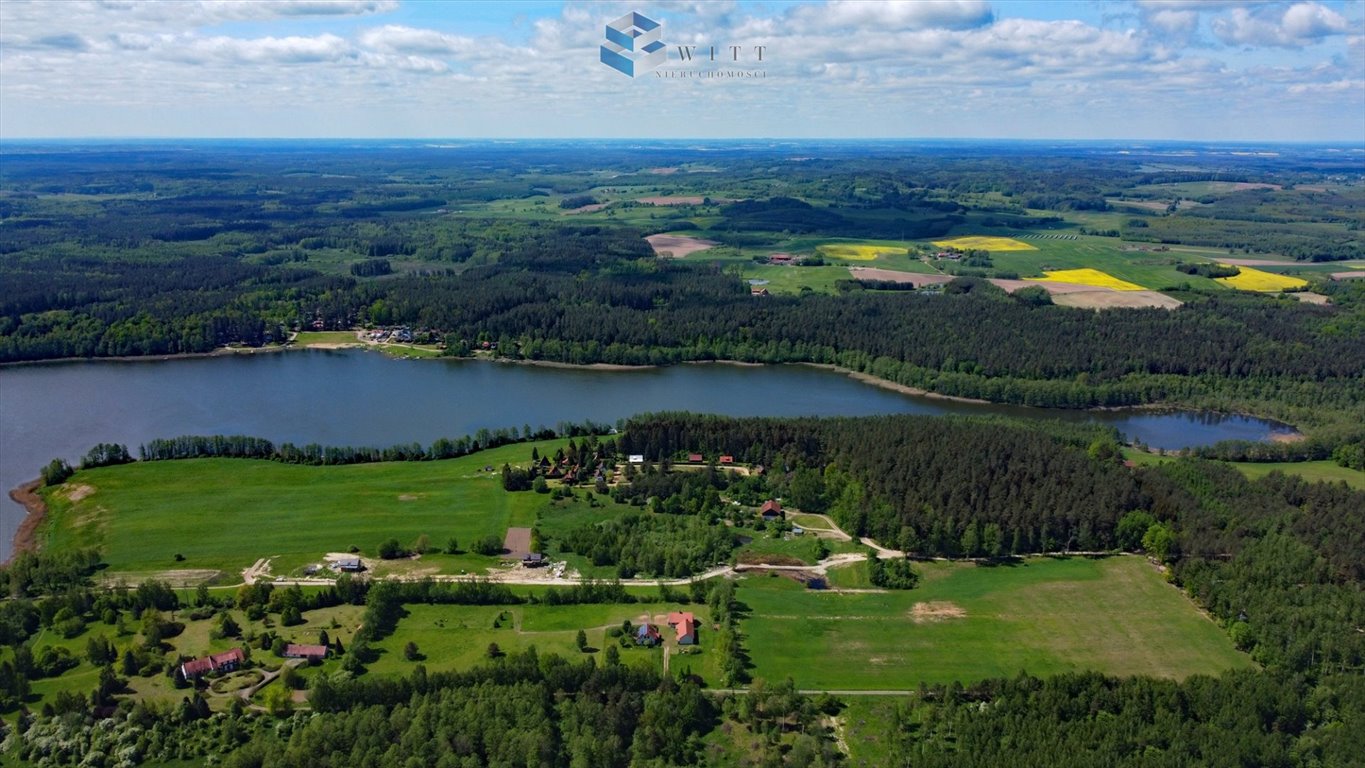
{"x":859,"y":252}
{"x":309,"y":338}
{"x":1044,"y":616}
{"x":1250,"y":279}
{"x":1088,"y":277}
{"x":452,"y":637}
{"x":986,"y":243}
{"x":1324,"y":471}
{"x":223,"y":514}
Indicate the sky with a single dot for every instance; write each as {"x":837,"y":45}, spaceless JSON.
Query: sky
{"x":1202,"y":70}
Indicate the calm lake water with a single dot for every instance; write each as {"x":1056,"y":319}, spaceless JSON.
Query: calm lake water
{"x":360,"y":398}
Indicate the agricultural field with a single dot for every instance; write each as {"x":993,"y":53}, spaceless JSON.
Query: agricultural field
{"x":985,"y":243}
{"x":859,"y":252}
{"x":966,"y":622}
{"x":1251,"y":279}
{"x":143,"y":515}
{"x":1088,"y":277}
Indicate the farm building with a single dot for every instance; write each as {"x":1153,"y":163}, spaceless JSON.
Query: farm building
{"x":350,"y":565}
{"x":758,"y":291}
{"x":648,"y":635}
{"x":685,"y":624}
{"x":636,"y":458}
{"x":771,"y":510}
{"x":310,"y":652}
{"x":218,"y":662}
{"x":727,"y":459}
{"x":533,"y":560}
{"x":695,"y":458}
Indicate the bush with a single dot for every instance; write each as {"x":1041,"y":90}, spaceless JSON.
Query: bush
{"x":391,"y":550}
{"x":488,"y":545}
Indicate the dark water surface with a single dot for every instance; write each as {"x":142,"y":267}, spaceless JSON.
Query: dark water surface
{"x":351,"y":397}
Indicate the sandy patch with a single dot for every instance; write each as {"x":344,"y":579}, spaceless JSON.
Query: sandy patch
{"x":78,"y":492}
{"x":1054,"y":288}
{"x":1347,"y":275}
{"x":917,"y":280}
{"x":409,"y":496}
{"x":1308,"y":297}
{"x":672,"y":200}
{"x":1287,"y":437}
{"x":1102,"y":299}
{"x":664,"y":171}
{"x":936,"y":610}
{"x":588,"y":208}
{"x":678,"y":246}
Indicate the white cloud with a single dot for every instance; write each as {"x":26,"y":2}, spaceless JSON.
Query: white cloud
{"x":1301,"y":24}
{"x":1173,"y":21}
{"x":890,"y":15}
{"x":837,"y":68}
{"x":1335,"y":86}
{"x":421,"y":41}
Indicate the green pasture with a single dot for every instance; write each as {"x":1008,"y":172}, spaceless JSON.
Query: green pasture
{"x":224,"y":514}
{"x":1044,"y":616}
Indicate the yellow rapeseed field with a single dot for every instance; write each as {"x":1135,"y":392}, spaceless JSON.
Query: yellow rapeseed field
{"x":859,"y":252}
{"x":1088,"y":277}
{"x":1256,"y":280}
{"x":983,"y":243}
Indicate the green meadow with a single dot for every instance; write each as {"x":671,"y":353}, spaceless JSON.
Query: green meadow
{"x":224,"y":514}
{"x":1313,"y":471}
{"x":454,"y":637}
{"x":967,"y":622}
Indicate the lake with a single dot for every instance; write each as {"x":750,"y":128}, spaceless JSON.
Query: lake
{"x":353,"y":397}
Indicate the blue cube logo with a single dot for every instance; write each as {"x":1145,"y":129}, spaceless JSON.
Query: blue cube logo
{"x":633,"y":46}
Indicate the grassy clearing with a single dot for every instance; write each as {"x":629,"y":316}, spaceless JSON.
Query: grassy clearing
{"x":986,"y":243}
{"x":1317,"y":471}
{"x":452,"y":637}
{"x":1088,"y":276}
{"x":794,"y":279}
{"x":1250,"y":279}
{"x":864,"y":722}
{"x":311,"y":338}
{"x":1043,"y":616}
{"x":143,"y":514}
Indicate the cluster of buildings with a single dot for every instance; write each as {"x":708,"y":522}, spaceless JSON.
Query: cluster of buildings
{"x":226,"y":661}
{"x":683,"y":623}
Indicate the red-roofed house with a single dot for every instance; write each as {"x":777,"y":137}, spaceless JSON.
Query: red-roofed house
{"x":685,"y":624}
{"x":218,"y":662}
{"x":695,"y":458}
{"x":771,"y":510}
{"x":310,"y":652}
{"x":727,"y":459}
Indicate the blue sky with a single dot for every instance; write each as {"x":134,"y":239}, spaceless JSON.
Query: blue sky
{"x":1124,"y":69}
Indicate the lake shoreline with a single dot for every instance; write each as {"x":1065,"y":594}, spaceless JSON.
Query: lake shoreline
{"x":26,"y":537}
{"x":1292,"y":434}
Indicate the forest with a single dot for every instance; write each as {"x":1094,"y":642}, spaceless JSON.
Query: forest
{"x":157,"y":250}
